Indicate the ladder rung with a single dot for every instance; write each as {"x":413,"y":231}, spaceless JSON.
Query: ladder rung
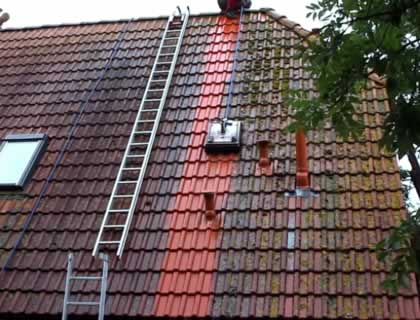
{"x":155,"y":90}
{"x":123,"y":196}
{"x":162,"y":71}
{"x":109,"y":242}
{"x":132,"y":169}
{"x":85,"y":278}
{"x":175,"y":30}
{"x":119,"y":210}
{"x":147,"y":121}
{"x":150,"y":110}
{"x":166,"y":54}
{"x":145,"y":132}
{"x":114,"y":226}
{"x":154,"y":100}
{"x":139,"y":144}
{"x":135,"y":156}
{"x":83,"y":303}
{"x":164,"y":63}
{"x":127,"y":182}
{"x":169,"y":46}
{"x":159,"y":80}
{"x":171,"y":38}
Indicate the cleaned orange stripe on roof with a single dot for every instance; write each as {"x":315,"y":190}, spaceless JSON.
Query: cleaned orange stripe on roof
{"x":187,"y":278}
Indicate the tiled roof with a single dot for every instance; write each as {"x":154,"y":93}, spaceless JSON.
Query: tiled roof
{"x":268,"y":256}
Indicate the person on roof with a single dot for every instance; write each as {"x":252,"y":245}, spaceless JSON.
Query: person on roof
{"x":231,"y":8}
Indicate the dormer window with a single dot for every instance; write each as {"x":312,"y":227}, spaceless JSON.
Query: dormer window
{"x":19,"y":154}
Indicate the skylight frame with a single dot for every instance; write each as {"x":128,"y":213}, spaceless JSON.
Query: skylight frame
{"x":31,"y":164}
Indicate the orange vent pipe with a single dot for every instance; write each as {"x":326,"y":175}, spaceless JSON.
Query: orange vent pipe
{"x":264,"y":153}
{"x":302,"y":170}
{"x":210,"y":204}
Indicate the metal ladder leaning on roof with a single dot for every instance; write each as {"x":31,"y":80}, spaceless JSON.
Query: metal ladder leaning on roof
{"x":72,"y":277}
{"x":126,"y":190}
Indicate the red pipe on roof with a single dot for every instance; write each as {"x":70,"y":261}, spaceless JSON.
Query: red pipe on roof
{"x":264,"y":153}
{"x":210,"y":202}
{"x":233,"y":5}
{"x":302,"y":170}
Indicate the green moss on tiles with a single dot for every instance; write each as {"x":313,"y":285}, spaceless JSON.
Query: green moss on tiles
{"x":396,"y":200}
{"x":378,"y":309}
{"x":275,"y":285}
{"x":361,"y":286}
{"x":375,"y":265}
{"x":304,"y":263}
{"x":363,"y":308}
{"x":277,"y":239}
{"x":274,"y":307}
{"x":397,"y":218}
{"x":347,"y":308}
{"x":265,"y":221}
{"x":276,"y":82}
{"x":303,"y":284}
{"x":277,"y":52}
{"x":324,"y":281}
{"x":359,"y":263}
{"x":346,"y":262}
{"x":263,"y":260}
{"x":324,"y":217}
{"x":308,"y":218}
{"x":264,"y":240}
{"x":347,"y":282}
{"x":332,"y":306}
{"x":303,"y":307}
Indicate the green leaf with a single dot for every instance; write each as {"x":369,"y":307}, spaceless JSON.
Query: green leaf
{"x":360,"y":37}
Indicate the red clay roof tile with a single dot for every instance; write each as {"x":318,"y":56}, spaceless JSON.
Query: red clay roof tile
{"x":269,"y":256}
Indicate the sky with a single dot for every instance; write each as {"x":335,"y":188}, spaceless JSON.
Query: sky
{"x":26,"y":13}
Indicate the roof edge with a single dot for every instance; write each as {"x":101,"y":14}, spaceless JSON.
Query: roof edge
{"x":378,"y":79}
{"x":89,"y":23}
{"x":286,"y":22}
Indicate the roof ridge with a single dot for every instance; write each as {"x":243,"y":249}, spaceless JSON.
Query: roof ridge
{"x":80,"y":24}
{"x":286,"y":22}
{"x":89,"y":23}
{"x":306,"y":33}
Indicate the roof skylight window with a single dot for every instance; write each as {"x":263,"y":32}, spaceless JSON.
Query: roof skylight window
{"x":19,"y":154}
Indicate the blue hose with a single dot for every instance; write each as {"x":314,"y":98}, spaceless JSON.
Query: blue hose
{"x":235,"y":63}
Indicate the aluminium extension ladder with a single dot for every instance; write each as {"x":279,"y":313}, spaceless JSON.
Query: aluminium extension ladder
{"x":122,"y":203}
{"x":70,"y":277}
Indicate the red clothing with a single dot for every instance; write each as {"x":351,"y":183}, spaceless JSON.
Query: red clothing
{"x":233,"y":5}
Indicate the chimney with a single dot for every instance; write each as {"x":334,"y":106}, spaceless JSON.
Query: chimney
{"x":3,"y":17}
{"x":302,"y":170}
